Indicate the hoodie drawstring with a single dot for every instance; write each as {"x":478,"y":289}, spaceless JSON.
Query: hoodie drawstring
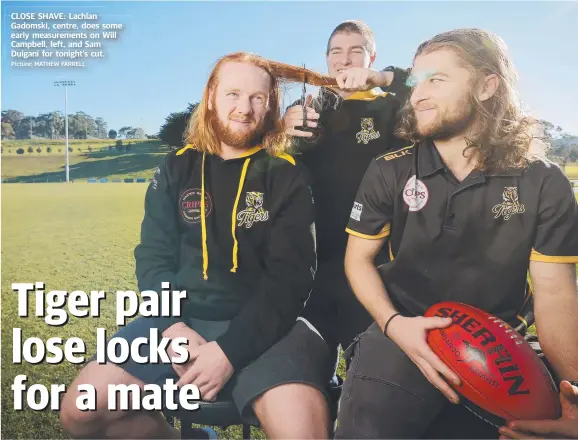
{"x":204,"y":222}
{"x":233,"y":218}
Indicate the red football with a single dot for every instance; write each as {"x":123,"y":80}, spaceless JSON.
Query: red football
{"x":499,"y":370}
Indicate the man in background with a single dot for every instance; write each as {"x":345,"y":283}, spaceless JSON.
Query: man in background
{"x":347,"y":127}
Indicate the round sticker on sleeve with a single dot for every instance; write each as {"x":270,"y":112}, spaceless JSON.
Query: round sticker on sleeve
{"x":415,"y":194}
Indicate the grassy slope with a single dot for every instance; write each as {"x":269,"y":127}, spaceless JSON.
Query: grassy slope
{"x":141,"y":161}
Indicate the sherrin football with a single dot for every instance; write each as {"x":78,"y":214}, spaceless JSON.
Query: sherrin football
{"x":500,"y":372}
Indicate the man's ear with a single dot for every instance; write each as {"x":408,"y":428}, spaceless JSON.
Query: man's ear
{"x":372,"y":58}
{"x":489,"y":87}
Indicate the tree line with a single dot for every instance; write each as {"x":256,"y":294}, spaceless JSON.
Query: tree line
{"x":173,"y":130}
{"x":16,"y":125}
{"x":564,"y":146}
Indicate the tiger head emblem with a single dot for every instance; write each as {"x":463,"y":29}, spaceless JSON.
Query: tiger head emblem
{"x":254,"y":212}
{"x":510,"y":195}
{"x":367,"y":124}
{"x":254,"y":200}
{"x":511,"y":204}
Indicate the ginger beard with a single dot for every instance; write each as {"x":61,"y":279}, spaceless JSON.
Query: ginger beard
{"x":440,"y":123}
{"x":246,"y":134}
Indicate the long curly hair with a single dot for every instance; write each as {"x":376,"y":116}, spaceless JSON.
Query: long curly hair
{"x":507,"y":137}
{"x":200,"y":131}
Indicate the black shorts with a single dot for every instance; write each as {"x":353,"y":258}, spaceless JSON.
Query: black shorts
{"x":385,"y":395}
{"x":333,"y":307}
{"x":302,"y":356}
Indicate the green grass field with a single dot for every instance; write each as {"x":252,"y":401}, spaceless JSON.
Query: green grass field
{"x":72,"y":237}
{"x":572,"y":171}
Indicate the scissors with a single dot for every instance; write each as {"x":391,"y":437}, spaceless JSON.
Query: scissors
{"x":303,"y":96}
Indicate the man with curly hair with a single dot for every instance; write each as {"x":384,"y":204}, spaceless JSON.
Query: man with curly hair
{"x":468,"y":209}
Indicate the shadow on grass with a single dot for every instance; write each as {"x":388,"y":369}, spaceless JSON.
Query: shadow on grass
{"x":136,"y":148}
{"x":126,"y":164}
{"x":104,"y":162}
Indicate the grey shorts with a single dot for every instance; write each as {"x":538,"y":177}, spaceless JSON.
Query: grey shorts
{"x":302,"y":356}
{"x":385,"y":396}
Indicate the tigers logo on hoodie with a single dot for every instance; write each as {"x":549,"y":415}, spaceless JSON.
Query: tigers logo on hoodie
{"x":254,"y":211}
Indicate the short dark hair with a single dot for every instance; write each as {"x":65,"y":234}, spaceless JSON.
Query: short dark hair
{"x":358,"y":27}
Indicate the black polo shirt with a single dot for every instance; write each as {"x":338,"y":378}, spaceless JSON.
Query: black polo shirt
{"x":468,"y":241}
{"x":352,"y":132}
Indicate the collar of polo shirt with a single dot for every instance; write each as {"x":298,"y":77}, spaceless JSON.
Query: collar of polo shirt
{"x":430,"y":162}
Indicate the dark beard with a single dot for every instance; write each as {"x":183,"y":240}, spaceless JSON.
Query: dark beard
{"x":235,"y":139}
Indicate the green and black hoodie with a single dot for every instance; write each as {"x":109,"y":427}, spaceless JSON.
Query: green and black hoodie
{"x":247,"y":254}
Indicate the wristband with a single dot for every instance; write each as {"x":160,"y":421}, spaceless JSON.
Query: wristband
{"x":387,"y":323}
{"x":574,"y":382}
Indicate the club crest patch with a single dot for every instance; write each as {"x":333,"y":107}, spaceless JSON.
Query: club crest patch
{"x":367,"y":132}
{"x":510,"y":204}
{"x":415,"y":194}
{"x":254,"y":212}
{"x":190,"y":205}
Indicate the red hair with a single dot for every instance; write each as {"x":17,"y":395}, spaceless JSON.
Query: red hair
{"x":200,"y":131}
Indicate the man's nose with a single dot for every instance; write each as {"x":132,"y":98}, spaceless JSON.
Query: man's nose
{"x":244,"y":105}
{"x":343,"y":59}
{"x":419,"y":93}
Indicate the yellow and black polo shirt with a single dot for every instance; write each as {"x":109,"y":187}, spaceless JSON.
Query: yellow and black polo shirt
{"x":468,"y":241}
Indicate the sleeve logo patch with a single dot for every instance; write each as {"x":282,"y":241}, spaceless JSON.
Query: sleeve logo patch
{"x":415,"y":194}
{"x":356,"y":211}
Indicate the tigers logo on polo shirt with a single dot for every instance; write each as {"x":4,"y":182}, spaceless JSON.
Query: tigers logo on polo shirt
{"x":415,"y":194}
{"x":510,"y":204}
{"x":367,"y":132}
{"x":190,"y":205}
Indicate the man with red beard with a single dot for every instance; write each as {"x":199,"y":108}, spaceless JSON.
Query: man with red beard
{"x":468,"y":209}
{"x":229,"y":219}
